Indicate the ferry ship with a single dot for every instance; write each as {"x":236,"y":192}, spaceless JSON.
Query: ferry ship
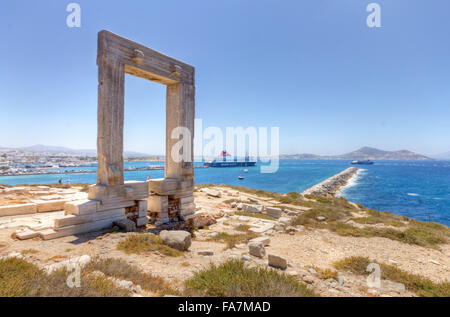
{"x":366,"y":162}
{"x":222,"y":161}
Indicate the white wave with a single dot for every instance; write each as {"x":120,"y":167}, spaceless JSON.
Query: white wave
{"x":353,"y":181}
{"x":413,"y":194}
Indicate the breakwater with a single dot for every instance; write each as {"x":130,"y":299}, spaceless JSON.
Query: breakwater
{"x":331,"y":186}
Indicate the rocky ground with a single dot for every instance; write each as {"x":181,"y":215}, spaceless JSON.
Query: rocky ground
{"x":306,"y":253}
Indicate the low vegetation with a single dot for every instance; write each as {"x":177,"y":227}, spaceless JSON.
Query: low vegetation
{"x":326,"y":273}
{"x":415,"y":283}
{"x":19,"y":278}
{"x":254,"y":215}
{"x":337,"y":211}
{"x":120,"y":269}
{"x":146,"y":242}
{"x":231,"y":240}
{"x":233,"y":279}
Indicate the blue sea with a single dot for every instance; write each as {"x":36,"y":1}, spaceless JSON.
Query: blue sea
{"x":420,"y":190}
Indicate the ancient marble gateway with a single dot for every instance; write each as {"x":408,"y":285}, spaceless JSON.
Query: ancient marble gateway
{"x":112,"y":199}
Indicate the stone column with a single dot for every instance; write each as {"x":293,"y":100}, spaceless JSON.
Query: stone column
{"x":180,"y":112}
{"x":111,"y":78}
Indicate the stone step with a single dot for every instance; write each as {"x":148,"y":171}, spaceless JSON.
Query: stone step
{"x":71,"y":220}
{"x":114,"y":205}
{"x":13,"y":210}
{"x":78,"y":229}
{"x":81,"y":207}
{"x":52,"y":205}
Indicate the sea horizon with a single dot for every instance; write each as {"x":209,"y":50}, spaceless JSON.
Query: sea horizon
{"x":416,"y":189}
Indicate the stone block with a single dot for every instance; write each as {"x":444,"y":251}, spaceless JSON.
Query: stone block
{"x":159,"y":204}
{"x":285,"y":220}
{"x":78,"y":229}
{"x":26,"y":234}
{"x":70,"y":220}
{"x":163,"y":186}
{"x":22,"y":209}
{"x":262,"y":229}
{"x":125,"y":224}
{"x":115,"y":205}
{"x":143,"y":221}
{"x":212,"y":192}
{"x":187,"y":200}
{"x":273,"y":212}
{"x":256,"y":249}
{"x":264,"y":240}
{"x":177,"y":239}
{"x":254,"y":208}
{"x":48,"y":206}
{"x":103,"y":192}
{"x":142,"y":208}
{"x":136,"y":190}
{"x":81,"y":207}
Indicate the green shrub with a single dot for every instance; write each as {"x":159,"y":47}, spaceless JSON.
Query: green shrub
{"x":233,"y":279}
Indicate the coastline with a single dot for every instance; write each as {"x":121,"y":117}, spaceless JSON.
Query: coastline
{"x":332,"y":185}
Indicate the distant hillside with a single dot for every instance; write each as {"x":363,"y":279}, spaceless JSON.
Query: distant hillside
{"x":38,"y":148}
{"x":367,"y":153}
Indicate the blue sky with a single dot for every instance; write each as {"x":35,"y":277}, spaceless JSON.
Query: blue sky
{"x":312,"y":68}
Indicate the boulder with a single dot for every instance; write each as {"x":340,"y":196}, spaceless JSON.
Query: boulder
{"x":256,"y":249}
{"x":273,"y":212}
{"x":212,"y":192}
{"x":277,"y":262}
{"x":233,"y":204}
{"x":177,"y":239}
{"x":201,"y":220}
{"x":240,"y":206}
{"x":321,"y":218}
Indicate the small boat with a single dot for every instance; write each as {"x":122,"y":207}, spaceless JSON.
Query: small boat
{"x":241,"y":177}
{"x":366,"y":162}
{"x":246,"y":171}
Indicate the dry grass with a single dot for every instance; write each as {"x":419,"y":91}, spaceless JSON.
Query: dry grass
{"x":120,"y":269}
{"x":254,"y":215}
{"x":19,"y":278}
{"x":418,"y":284}
{"x":338,"y":210}
{"x":326,"y":273}
{"x":146,"y":242}
{"x":231,"y":240}
{"x":242,"y":227}
{"x":233,"y":279}
{"x":29,"y":251}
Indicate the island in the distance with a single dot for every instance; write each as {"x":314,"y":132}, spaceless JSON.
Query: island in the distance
{"x":364,"y":153}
